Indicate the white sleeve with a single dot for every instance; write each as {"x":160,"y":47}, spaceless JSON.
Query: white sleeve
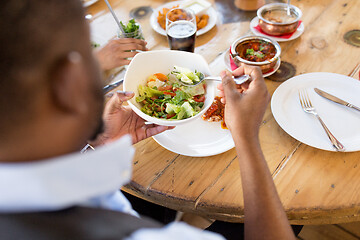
{"x":174,"y":231}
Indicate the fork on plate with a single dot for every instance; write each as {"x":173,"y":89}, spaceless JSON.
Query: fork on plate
{"x":309,"y":108}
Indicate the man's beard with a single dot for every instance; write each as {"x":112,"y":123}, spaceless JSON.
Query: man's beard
{"x":98,"y":97}
{"x":99,"y":129}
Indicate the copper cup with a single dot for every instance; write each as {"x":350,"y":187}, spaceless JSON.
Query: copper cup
{"x":266,"y":65}
{"x":276,"y":28}
{"x":249,"y":5}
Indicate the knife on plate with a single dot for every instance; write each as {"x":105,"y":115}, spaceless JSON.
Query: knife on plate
{"x":111,"y":86}
{"x":335,"y":99}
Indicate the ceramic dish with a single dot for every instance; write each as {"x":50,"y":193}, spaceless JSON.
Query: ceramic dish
{"x":342,"y":121}
{"x":197,"y":139}
{"x":88,"y":3}
{"x":163,"y":61}
{"x":155,"y":25}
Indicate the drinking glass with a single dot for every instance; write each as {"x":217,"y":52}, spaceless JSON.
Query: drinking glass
{"x":136,"y":34}
{"x":181,"y":29}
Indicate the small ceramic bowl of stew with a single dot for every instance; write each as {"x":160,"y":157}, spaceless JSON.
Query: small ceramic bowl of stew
{"x":275,"y":20}
{"x":256,"y":51}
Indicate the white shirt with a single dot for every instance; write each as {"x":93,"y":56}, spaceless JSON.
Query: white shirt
{"x":90,"y":179}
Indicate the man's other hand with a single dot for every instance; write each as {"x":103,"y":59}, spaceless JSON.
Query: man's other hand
{"x":120,"y":120}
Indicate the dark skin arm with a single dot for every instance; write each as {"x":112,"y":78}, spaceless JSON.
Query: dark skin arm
{"x":117,"y":51}
{"x":265,"y":217}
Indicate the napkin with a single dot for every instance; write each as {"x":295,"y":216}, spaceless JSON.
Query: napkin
{"x":284,"y":36}
{"x":233,"y":66}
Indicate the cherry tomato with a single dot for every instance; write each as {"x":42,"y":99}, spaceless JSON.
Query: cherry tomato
{"x":199,"y":98}
{"x":161,"y":77}
{"x":170,"y":93}
{"x":170,"y":115}
{"x":165,"y":88}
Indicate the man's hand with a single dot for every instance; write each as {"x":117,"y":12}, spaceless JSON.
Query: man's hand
{"x":120,"y":120}
{"x":245,"y":105}
{"x":117,"y":51}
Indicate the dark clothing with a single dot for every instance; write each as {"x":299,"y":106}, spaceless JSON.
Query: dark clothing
{"x":72,"y":223}
{"x":231,"y":231}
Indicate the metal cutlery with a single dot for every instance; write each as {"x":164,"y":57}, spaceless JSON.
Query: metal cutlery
{"x":335,"y":99}
{"x":115,"y":18}
{"x":111,"y":86}
{"x":238,"y":80}
{"x":288,"y":8}
{"x":309,"y":108}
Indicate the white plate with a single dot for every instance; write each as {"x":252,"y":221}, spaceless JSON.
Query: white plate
{"x":88,"y":3}
{"x":228,"y":66}
{"x":342,"y":121}
{"x":198,"y":138}
{"x":255,"y":21}
{"x":155,"y":25}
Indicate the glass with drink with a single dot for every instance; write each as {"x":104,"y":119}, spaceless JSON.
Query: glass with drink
{"x":181,"y":29}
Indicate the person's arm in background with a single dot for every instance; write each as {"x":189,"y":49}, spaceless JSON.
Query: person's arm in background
{"x":117,"y":51}
{"x":265,"y":217}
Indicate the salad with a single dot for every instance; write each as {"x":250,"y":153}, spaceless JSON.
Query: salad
{"x":163,"y":96}
{"x":132,"y":29}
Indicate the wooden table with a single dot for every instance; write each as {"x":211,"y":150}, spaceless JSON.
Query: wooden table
{"x":315,"y":186}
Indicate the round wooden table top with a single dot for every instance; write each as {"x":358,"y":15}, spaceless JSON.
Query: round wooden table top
{"x":315,"y":186}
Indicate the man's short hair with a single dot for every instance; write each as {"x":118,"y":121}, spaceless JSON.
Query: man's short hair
{"x":33,"y":35}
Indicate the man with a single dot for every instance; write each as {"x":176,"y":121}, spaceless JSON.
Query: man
{"x":51,"y":105}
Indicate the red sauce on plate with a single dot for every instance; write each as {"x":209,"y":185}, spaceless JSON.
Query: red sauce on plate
{"x":215,"y":113}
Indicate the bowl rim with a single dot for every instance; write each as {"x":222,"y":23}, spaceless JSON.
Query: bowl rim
{"x":242,"y":39}
{"x":271,"y":5}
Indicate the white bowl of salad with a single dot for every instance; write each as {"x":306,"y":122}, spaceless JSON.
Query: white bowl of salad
{"x":155,"y":77}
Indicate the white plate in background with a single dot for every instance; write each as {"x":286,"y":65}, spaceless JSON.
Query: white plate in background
{"x":342,"y":121}
{"x":157,"y":28}
{"x":88,"y":3}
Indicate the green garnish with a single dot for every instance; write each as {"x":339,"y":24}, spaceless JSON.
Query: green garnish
{"x":94,"y":44}
{"x":130,"y":27}
{"x":252,"y":52}
{"x":259,"y":54}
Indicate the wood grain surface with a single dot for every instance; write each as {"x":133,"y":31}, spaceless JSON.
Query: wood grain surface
{"x":315,"y":186}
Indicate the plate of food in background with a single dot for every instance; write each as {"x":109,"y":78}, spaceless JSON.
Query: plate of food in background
{"x":88,"y":3}
{"x":206,"y":19}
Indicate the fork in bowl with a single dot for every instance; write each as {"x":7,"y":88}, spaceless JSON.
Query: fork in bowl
{"x":309,"y":108}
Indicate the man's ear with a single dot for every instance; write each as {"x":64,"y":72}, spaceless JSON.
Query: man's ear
{"x":67,"y":83}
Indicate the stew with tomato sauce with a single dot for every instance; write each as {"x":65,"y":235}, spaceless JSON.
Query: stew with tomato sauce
{"x":256,"y":51}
